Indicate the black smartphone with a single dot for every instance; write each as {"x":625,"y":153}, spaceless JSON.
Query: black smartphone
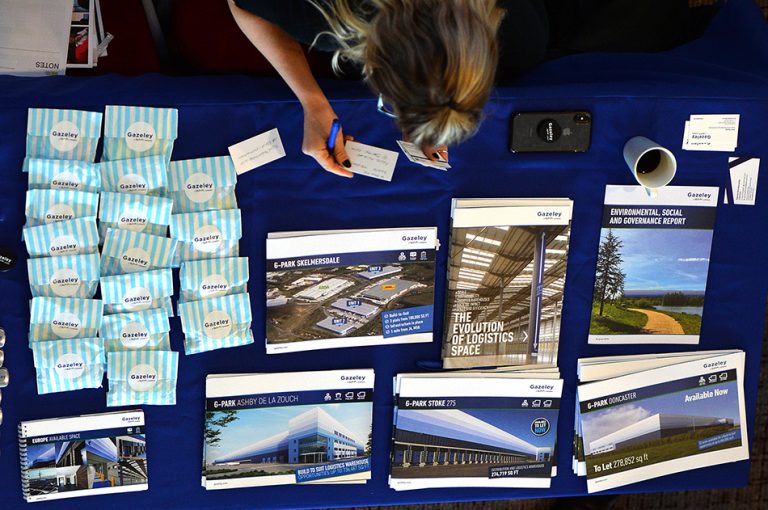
{"x":550,"y":131}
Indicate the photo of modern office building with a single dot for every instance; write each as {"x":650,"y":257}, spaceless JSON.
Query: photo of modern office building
{"x":312,"y":437}
{"x":658,"y":426}
{"x":451,"y":442}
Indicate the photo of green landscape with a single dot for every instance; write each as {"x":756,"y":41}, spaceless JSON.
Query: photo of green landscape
{"x":650,"y":282}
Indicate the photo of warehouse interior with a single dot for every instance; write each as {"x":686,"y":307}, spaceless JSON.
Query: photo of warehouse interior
{"x":513,"y":275}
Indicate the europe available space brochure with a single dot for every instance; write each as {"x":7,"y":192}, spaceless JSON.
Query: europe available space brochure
{"x":83,"y":456}
{"x":288,"y":428}
{"x":652,"y":265}
{"x":662,"y":421}
{"x":328,"y":289}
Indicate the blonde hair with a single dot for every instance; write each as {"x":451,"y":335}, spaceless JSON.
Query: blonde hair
{"x":434,"y":61}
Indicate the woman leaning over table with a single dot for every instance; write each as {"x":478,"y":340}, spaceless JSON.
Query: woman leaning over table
{"x":433,"y":63}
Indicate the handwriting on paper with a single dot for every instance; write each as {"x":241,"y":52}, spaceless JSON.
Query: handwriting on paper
{"x":371,"y":161}
{"x":257,"y":151}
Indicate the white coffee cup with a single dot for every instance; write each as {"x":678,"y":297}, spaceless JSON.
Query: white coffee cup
{"x":652,"y":165}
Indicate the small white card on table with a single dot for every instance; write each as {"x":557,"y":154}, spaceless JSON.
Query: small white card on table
{"x":257,"y":151}
{"x":371,"y":161}
{"x":712,"y":133}
{"x":744,"y":173}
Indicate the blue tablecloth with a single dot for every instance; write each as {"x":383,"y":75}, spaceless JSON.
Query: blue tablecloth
{"x":651,"y":95}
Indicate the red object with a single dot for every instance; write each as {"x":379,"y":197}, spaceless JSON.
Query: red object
{"x":132,"y":51}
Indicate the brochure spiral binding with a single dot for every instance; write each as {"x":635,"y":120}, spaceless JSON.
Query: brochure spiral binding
{"x":23,"y":461}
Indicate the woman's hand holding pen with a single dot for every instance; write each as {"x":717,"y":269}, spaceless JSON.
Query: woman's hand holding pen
{"x":318,"y":121}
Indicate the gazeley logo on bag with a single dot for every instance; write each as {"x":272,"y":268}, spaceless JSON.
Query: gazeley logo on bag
{"x":66,"y":325}
{"x":142,"y":377}
{"x":66,"y":180}
{"x":132,"y":183}
{"x":214,"y":285}
{"x":217,"y":324}
{"x":140,"y":136}
{"x":59,"y":212}
{"x":207,"y":239}
{"x":64,"y":136}
{"x":134,"y":219}
{"x":134,"y":260}
{"x":70,"y":366}
{"x":199,"y":187}
{"x":134,"y":335}
{"x":137,"y":298}
{"x":65,"y":282}
{"x":64,"y":245}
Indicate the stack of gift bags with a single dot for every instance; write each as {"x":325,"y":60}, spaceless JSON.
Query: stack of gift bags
{"x":73,"y":335}
{"x":214,"y":304}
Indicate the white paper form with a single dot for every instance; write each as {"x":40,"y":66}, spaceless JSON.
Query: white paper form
{"x":34,"y":36}
{"x":257,"y":151}
{"x":371,"y":161}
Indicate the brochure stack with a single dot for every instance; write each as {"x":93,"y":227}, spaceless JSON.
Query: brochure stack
{"x":652,"y":265}
{"x":475,"y":429}
{"x":644,"y":416}
{"x":349,"y":288}
{"x":86,"y":455}
{"x":288,"y":428}
{"x":506,"y":280}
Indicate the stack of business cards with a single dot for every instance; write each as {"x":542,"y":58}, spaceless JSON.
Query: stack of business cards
{"x":416,"y":155}
{"x":711,"y":133}
{"x":475,"y":429}
{"x":645,"y":416}
{"x":287,"y":428}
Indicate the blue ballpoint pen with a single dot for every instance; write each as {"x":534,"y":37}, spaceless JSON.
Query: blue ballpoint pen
{"x":335,"y":128}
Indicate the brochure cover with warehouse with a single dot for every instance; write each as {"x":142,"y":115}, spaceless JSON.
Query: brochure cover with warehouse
{"x":83,"y":455}
{"x":506,"y":277}
{"x":652,"y":265}
{"x":288,"y":428}
{"x":348,"y":288}
{"x":474,"y":431}
{"x":607,"y":367}
{"x":662,"y":421}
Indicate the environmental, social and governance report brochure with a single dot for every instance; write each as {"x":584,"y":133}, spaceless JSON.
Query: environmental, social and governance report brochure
{"x":83,"y":456}
{"x":474,"y":432}
{"x":506,"y":278}
{"x":652,"y":265}
{"x":288,"y":428}
{"x":663,"y":421}
{"x":347,"y":289}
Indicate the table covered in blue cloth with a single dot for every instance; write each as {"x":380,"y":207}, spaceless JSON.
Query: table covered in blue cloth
{"x":651,"y":95}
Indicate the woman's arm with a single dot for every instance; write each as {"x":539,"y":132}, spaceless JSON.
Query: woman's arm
{"x":287,"y":57}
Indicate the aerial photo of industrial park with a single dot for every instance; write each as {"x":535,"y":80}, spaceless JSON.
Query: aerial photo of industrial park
{"x":346,"y":301}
